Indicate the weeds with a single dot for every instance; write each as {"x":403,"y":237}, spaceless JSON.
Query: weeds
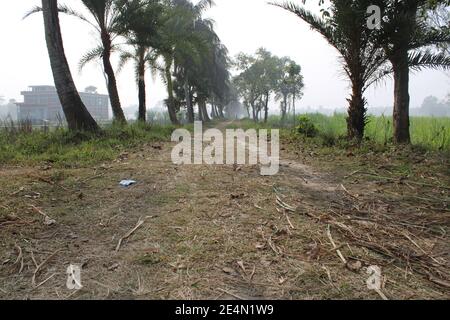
{"x":66,"y":148}
{"x":426,"y":132}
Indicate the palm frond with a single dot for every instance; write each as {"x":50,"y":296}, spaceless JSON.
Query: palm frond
{"x":202,"y":6}
{"x":315,"y":22}
{"x":73,"y":13}
{"x":90,"y":56}
{"x":124,"y":57}
{"x":32,"y":11}
{"x":428,"y":60}
{"x":433,"y":37}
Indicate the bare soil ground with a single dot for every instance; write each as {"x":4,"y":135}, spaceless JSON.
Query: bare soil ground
{"x":225,"y":232}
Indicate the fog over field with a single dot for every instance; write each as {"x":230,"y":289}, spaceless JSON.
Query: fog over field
{"x":25,"y":62}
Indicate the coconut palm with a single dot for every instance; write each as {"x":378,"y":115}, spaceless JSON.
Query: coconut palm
{"x":77,"y":116}
{"x":345,"y":28}
{"x":406,"y":37}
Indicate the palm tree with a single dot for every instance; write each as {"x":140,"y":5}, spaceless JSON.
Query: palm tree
{"x":210,"y":75}
{"x":345,"y":28}
{"x":77,"y":116}
{"x":142,"y":57}
{"x":105,"y":17}
{"x":139,"y":22}
{"x":403,"y":36}
{"x":175,"y":41}
{"x":187,"y":54}
{"x":220,"y":84}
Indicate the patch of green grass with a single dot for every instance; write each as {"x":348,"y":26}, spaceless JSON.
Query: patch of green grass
{"x":65,"y":148}
{"x":428,"y":133}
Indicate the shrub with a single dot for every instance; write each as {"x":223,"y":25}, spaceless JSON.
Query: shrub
{"x":306,"y":127}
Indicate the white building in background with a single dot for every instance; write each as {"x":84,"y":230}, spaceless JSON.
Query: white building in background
{"x":9,"y":111}
{"x":41,"y":103}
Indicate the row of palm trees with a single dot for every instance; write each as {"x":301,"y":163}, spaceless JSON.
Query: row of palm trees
{"x":168,"y":37}
{"x":401,"y":44}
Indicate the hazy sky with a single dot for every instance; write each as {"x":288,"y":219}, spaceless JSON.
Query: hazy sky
{"x":243,"y":25}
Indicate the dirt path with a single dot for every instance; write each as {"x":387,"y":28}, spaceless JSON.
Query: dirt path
{"x":208,"y":232}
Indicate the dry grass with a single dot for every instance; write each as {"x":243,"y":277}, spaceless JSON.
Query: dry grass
{"x":214,"y":232}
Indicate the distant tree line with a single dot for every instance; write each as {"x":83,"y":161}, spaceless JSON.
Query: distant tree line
{"x":263,"y":75}
{"x":431,"y":106}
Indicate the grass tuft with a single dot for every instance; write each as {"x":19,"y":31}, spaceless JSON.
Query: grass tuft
{"x":65,"y":148}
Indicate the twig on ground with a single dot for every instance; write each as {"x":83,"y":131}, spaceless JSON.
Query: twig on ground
{"x":273,"y":246}
{"x":42,"y":179}
{"x":45,"y":281}
{"x":253,"y":274}
{"x":381,"y":294}
{"x":420,"y":248}
{"x":440,"y":282}
{"x":284,"y":205}
{"x":38,"y":267}
{"x":230,"y":294}
{"x":348,"y":192}
{"x":47,"y":220}
{"x":289,"y":221}
{"x":19,"y":258}
{"x":130,"y":233}
{"x":328,"y":273}
{"x":334,"y":246}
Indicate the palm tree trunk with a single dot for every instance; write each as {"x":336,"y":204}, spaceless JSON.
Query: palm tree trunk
{"x":170,"y":101}
{"x":200,"y":113}
{"x":119,"y":116}
{"x":356,"y":120}
{"x":204,"y":108}
{"x":214,"y":112}
{"x":400,"y":63}
{"x":76,"y":113}
{"x":220,"y":110}
{"x":401,"y":100}
{"x":142,"y":96}
{"x":190,"y":108}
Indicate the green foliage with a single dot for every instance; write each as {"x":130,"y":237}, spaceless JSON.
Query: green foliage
{"x":264,"y":74}
{"x":306,"y":127}
{"x":428,"y":132}
{"x":65,"y":148}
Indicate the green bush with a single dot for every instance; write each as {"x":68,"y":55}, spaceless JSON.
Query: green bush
{"x":306,"y":127}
